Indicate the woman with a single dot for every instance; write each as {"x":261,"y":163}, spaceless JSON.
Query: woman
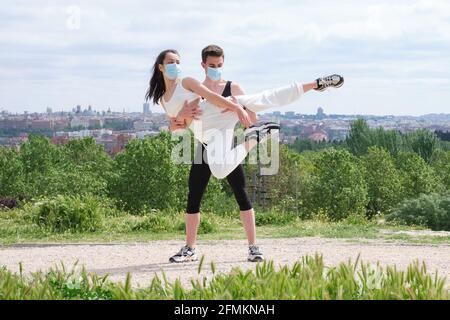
{"x":214,"y":128}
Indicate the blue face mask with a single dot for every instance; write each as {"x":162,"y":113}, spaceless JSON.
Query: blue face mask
{"x":173,"y":70}
{"x":214,"y":74}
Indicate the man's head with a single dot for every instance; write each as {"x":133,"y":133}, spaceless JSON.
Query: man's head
{"x":212,"y":61}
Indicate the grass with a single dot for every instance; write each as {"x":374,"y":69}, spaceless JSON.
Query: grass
{"x":308,"y":279}
{"x":16,"y":227}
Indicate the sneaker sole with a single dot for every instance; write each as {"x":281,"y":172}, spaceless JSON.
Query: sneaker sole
{"x":256,"y":259}
{"x":186,"y":260}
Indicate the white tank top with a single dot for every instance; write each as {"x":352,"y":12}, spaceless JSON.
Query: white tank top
{"x":211,"y":120}
{"x":179,"y":96}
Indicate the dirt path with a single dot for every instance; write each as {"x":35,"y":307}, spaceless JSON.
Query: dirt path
{"x":143,"y":260}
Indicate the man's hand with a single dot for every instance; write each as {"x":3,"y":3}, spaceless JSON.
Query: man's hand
{"x":177,"y":124}
{"x":190,"y":110}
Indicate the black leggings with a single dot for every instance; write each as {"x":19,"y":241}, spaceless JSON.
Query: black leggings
{"x":199,"y":177}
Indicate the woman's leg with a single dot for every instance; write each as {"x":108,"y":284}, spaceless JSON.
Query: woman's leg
{"x":309,"y":86}
{"x":274,"y":98}
{"x":223,"y":159}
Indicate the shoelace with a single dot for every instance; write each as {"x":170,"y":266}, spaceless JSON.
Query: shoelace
{"x":254,"y":250}
{"x":327,"y":81}
{"x":184,"y":251}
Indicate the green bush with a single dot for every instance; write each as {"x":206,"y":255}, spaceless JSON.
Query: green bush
{"x":416,"y":175}
{"x":208,"y":224}
{"x":70,"y":213}
{"x":431,"y":210}
{"x":383,"y":180}
{"x":144,"y":175}
{"x":274,"y":218}
{"x":156,"y":222}
{"x":338,"y":187}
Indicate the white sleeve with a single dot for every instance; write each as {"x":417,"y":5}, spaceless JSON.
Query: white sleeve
{"x":272,"y":98}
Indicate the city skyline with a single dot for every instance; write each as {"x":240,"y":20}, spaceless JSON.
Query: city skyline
{"x":100,"y":53}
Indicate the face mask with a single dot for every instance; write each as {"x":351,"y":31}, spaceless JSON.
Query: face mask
{"x":214,"y":74}
{"x":173,"y":70}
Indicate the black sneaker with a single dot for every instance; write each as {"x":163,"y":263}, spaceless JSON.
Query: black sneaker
{"x":333,"y":81}
{"x":254,"y":254}
{"x":260,"y":131}
{"x":185,"y":254}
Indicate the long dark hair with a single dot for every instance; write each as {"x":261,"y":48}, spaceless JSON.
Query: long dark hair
{"x":157,"y":87}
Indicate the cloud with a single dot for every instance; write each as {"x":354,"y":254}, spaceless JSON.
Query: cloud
{"x":395,"y":46}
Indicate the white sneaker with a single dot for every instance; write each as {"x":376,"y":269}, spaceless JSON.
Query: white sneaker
{"x":333,"y":81}
{"x":261,"y":131}
{"x":186,"y":254}
{"x":254,"y":254}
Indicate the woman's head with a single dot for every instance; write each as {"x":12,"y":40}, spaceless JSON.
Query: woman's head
{"x":166,"y":66}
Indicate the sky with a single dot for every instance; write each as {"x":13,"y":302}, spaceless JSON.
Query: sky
{"x":394,"y":55}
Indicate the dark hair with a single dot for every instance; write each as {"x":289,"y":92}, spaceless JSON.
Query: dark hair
{"x":212,"y":50}
{"x":157,"y":87}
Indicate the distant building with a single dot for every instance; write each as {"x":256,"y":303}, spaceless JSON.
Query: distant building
{"x":76,"y":122}
{"x":290,"y":114}
{"x":95,"y":123}
{"x":49,"y":111}
{"x":42,"y":124}
{"x":320,"y":114}
{"x":143,"y":125}
{"x":146,"y":108}
{"x":318,"y":136}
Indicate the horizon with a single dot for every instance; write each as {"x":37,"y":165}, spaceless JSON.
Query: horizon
{"x":262,"y":113}
{"x":101,"y":53}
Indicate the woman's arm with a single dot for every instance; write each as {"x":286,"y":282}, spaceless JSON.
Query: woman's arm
{"x":216,"y":99}
{"x":236,"y":90}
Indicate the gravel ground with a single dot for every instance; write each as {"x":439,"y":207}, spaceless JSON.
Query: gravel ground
{"x":143,"y":260}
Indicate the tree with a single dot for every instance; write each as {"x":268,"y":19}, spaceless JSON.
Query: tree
{"x":440,"y":161}
{"x":287,"y":187}
{"x":337,"y":186}
{"x":416,"y":176}
{"x":11,"y":173}
{"x":424,"y":143}
{"x":39,"y":159}
{"x":144,"y":175}
{"x":85,"y":168}
{"x":359,"y":138}
{"x":383,"y":180}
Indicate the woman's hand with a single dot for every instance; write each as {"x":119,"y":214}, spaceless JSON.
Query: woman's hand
{"x":250,"y":118}
{"x":253,"y":116}
{"x":244,"y":118}
{"x":190,"y":110}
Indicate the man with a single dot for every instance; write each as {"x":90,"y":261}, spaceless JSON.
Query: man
{"x":213,"y":58}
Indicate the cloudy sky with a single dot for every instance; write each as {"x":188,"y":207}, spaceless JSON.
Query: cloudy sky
{"x":395,"y":55}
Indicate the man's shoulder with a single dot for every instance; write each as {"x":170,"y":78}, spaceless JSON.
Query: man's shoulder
{"x":236,"y":88}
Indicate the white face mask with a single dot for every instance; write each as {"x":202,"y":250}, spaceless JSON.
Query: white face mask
{"x":214,"y":74}
{"x":173,"y":70}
